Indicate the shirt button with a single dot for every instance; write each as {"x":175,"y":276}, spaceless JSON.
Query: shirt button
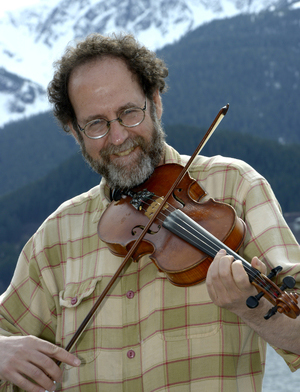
{"x":130,"y":294}
{"x":130,"y":354}
{"x":73,"y":300}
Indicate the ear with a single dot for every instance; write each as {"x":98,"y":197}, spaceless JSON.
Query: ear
{"x":158,"y":104}
{"x":74,"y":132}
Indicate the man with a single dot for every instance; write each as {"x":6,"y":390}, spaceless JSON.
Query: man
{"x":148,"y":335}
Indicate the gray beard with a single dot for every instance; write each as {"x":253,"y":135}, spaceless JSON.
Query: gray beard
{"x":148,"y":159}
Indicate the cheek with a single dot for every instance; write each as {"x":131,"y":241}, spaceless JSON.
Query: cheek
{"x":145,"y":130}
{"x":93,"y":147}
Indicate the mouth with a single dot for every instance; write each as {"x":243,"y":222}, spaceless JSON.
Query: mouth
{"x":124,"y":153}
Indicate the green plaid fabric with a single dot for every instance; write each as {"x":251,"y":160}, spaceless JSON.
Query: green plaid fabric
{"x":148,"y":334}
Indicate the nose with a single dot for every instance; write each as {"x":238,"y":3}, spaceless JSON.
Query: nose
{"x":117,"y":133}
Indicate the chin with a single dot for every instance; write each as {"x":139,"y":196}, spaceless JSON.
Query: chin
{"x":128,"y":176}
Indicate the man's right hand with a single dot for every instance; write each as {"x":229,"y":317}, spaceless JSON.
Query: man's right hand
{"x":27,"y":357}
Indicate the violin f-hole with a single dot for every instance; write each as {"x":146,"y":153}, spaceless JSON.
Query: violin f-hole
{"x":177,"y":198}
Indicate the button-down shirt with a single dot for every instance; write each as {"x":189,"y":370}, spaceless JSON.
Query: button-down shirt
{"x":148,"y":334}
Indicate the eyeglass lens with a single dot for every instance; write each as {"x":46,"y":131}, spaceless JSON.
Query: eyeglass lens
{"x":129,"y":117}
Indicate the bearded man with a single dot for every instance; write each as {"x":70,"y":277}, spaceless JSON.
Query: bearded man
{"x":148,"y":334}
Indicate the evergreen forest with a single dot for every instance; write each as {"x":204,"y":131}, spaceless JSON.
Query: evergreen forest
{"x":23,"y":210}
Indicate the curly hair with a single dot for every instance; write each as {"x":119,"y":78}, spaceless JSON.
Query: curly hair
{"x":150,"y":70}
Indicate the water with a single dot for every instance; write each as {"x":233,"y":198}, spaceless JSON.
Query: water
{"x":278,"y":377}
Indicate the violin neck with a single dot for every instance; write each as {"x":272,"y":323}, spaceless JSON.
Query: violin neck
{"x":187,"y":229}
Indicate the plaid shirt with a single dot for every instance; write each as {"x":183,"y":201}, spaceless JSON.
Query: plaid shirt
{"x":148,"y":335}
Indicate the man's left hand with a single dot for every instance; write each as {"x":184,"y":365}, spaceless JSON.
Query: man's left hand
{"x":228,"y":283}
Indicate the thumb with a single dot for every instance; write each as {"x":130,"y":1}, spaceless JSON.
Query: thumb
{"x":259,"y":265}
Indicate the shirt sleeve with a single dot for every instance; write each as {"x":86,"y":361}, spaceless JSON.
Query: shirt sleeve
{"x":270,"y":238}
{"x":268,"y":235}
{"x":26,"y":307}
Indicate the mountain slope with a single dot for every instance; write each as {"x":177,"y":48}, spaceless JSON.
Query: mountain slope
{"x":252,"y":62}
{"x":29,"y":149}
{"x":46,"y":29}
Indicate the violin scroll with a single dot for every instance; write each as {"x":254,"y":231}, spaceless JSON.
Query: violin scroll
{"x":283,"y":302}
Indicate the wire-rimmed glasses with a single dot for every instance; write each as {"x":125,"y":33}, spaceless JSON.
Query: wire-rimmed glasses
{"x":129,"y":118}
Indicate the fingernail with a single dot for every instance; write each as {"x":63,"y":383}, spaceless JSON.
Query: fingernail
{"x":77,"y":362}
{"x":222,"y":252}
{"x":52,"y":389}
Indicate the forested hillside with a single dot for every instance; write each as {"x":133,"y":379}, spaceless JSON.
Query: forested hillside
{"x":250,"y":61}
{"x":31,"y":148}
{"x":22,"y":211}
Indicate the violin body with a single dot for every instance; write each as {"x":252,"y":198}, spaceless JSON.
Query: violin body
{"x":183,"y":263}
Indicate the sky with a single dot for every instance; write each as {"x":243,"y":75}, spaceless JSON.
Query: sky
{"x":12,"y":5}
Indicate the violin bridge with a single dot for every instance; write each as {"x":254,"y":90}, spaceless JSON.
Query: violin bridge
{"x":154,"y":206}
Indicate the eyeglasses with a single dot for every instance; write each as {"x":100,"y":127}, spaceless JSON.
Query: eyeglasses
{"x":96,"y":129}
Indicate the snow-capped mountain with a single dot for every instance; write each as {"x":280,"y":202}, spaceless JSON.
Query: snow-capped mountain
{"x":31,"y":39}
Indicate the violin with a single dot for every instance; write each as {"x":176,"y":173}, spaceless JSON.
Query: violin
{"x":186,"y":226}
{"x":165,"y":218}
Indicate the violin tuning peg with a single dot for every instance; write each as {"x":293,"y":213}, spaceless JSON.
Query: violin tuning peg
{"x":274,"y":272}
{"x":253,"y":301}
{"x":271,"y":313}
{"x":288,"y":283}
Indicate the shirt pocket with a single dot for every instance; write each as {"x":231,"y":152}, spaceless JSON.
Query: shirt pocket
{"x":76,"y":301}
{"x":190,"y":314}
{"x":176,"y":313}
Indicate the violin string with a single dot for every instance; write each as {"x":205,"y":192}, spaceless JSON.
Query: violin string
{"x":215,"y":247}
{"x":211,"y":244}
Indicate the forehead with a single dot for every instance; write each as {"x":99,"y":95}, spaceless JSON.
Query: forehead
{"x":106,"y":74}
{"x":101,"y":87}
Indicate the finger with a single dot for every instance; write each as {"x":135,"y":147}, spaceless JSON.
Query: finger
{"x":25,"y":385}
{"x":52,"y":352}
{"x":225,"y":273}
{"x":221,"y":253}
{"x":59,"y":354}
{"x":43,"y":371}
{"x":21,"y":371}
{"x":213,"y":271}
{"x":259,"y":265}
{"x":219,"y":277}
{"x":38,"y":362}
{"x":54,"y":382}
{"x":240,"y":276}
{"x":39,"y":377}
{"x":42,"y":354}
{"x":211,"y":290}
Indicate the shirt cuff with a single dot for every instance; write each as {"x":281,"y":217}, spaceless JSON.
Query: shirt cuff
{"x":291,"y":359}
